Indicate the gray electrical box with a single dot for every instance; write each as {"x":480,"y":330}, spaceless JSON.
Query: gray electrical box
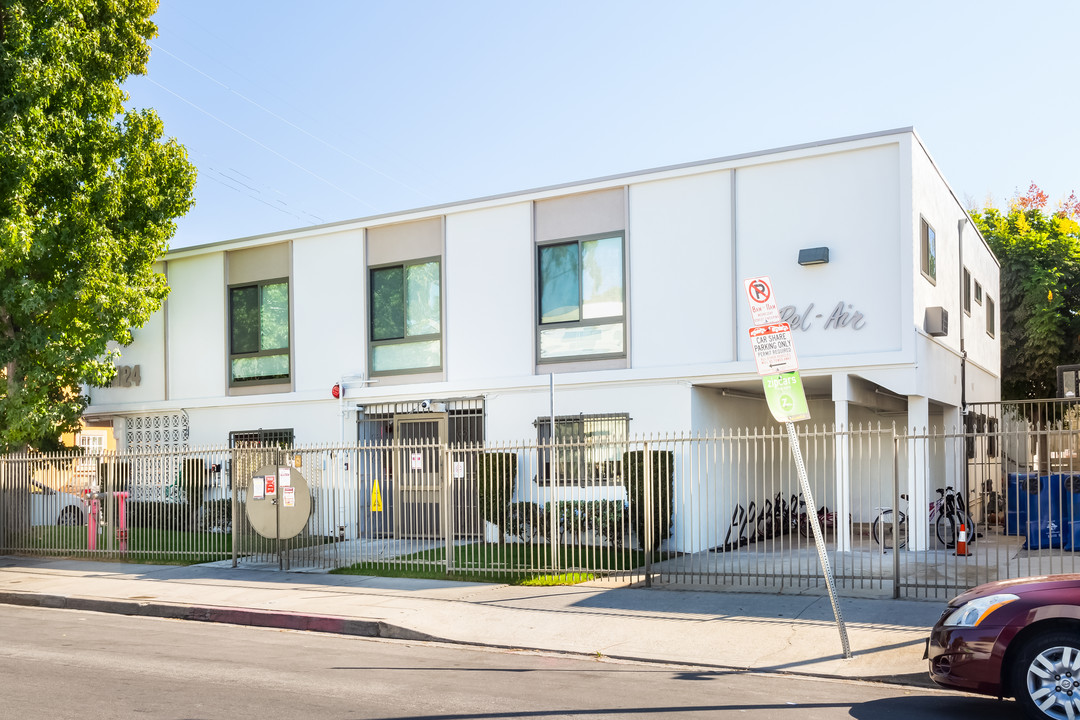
{"x":936,"y":323}
{"x":278,"y":502}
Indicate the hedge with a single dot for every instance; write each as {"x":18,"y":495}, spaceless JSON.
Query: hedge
{"x":663,"y":493}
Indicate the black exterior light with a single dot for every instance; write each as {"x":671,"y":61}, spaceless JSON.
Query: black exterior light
{"x":814,"y":256}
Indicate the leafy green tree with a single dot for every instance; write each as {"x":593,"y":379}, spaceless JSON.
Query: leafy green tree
{"x":89,"y":192}
{"x":1039,"y":252}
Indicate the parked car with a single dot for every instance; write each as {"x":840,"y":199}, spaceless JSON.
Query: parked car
{"x":53,"y":507}
{"x":1014,"y":638}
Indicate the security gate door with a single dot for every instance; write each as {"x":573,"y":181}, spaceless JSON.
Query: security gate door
{"x":418,"y":475}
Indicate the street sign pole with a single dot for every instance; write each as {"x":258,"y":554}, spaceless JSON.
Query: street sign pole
{"x":774,"y":353}
{"x":819,"y":538}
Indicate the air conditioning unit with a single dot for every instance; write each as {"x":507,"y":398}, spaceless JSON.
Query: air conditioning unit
{"x":936,"y":322}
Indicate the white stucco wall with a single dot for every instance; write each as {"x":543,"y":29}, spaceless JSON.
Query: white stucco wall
{"x":147,"y":350}
{"x":850,"y":203}
{"x":489,"y":294}
{"x":328,"y":310}
{"x":198,"y":359}
{"x":680,"y":271}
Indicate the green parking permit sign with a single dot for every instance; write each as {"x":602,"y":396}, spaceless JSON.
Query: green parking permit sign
{"x":784,"y":393}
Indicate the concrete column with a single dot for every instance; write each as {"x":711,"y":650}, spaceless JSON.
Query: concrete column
{"x":842,"y":451}
{"x":918,"y":473}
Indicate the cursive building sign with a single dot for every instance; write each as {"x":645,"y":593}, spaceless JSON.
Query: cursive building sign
{"x":843,"y":316}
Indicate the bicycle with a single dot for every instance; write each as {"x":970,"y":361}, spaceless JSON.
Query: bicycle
{"x":947,"y":514}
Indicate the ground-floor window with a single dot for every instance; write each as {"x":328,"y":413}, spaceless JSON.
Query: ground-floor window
{"x":589,"y":448}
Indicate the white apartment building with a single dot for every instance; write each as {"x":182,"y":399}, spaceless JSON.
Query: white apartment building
{"x":624,"y":294}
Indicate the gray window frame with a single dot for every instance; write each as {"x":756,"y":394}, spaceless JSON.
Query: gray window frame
{"x":929,"y":270}
{"x":967,"y":292}
{"x":373,"y":343}
{"x":978,"y":293}
{"x":579,"y":239}
{"x":233,"y":383}
{"x":585,"y":474}
{"x":991,"y":317}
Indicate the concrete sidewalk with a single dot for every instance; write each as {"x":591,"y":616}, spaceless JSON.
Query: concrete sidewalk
{"x":745,"y":631}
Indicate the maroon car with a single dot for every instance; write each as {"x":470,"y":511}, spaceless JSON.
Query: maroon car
{"x":1014,"y":638}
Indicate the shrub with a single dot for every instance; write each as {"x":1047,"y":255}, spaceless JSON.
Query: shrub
{"x":216,"y":515}
{"x":662,"y":495}
{"x":526,"y":520}
{"x":193,"y":479}
{"x":607,"y":518}
{"x":495,"y":475}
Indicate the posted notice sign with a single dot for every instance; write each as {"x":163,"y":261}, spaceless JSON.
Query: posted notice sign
{"x":763,"y":307}
{"x":786,"y":398}
{"x":774,"y":350}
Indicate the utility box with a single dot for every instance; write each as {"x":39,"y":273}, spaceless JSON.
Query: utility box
{"x":936,"y":322}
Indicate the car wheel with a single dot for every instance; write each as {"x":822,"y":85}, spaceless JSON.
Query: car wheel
{"x":1045,"y":675}
{"x":71,"y":517}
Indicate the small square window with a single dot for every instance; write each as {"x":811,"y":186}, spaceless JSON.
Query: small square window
{"x":978,"y":293}
{"x":929,"y":252}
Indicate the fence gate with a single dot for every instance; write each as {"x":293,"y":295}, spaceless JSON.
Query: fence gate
{"x":418,"y":474}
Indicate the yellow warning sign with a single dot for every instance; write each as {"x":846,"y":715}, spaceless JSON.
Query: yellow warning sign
{"x":376,"y":497}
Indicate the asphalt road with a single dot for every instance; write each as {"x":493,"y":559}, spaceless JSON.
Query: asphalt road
{"x":67,"y":664}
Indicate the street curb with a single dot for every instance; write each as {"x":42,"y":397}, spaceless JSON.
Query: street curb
{"x":225,"y":615}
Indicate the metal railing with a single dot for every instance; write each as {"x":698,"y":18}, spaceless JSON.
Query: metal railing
{"x":720,"y":511}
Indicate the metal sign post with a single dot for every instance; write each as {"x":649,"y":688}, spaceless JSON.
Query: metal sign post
{"x":774,"y":353}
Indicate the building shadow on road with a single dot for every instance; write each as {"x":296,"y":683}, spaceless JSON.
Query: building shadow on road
{"x":936,"y":706}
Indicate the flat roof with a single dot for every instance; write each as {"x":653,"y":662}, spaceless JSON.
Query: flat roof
{"x":549,"y":188}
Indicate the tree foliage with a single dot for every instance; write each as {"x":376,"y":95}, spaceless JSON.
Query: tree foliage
{"x":1039,"y":252}
{"x":89,"y":192}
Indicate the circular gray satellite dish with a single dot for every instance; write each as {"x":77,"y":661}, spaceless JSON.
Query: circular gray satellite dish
{"x":283,"y":513}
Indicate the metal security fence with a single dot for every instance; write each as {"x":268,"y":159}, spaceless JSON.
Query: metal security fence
{"x":904,"y":514}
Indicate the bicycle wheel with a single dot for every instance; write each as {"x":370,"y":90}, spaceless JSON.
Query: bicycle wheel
{"x":948,"y":528}
{"x":882,"y":530}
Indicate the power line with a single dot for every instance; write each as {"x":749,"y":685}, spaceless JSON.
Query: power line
{"x":264,"y":145}
{"x":291,"y":123}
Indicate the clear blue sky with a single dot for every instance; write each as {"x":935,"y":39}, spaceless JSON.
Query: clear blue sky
{"x":303,"y":113}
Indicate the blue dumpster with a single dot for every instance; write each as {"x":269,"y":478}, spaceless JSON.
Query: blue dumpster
{"x":1018,"y":488}
{"x":1044,"y":517}
{"x":1069,"y":487}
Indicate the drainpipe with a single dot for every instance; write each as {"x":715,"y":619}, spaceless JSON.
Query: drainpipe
{"x":963,"y":357}
{"x":963,"y":351}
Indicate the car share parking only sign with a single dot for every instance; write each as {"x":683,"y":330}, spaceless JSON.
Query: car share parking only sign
{"x":763,"y":307}
{"x":774,"y":350}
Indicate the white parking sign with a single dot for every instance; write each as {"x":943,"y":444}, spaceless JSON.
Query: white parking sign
{"x":763,"y":308}
{"x":774,"y":350}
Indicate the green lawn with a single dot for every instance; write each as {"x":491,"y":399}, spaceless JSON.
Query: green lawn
{"x":512,"y":563}
{"x":147,"y":545}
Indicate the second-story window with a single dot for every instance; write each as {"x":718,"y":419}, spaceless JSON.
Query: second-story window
{"x":928,"y":242}
{"x":406,"y":318}
{"x":259,"y":332}
{"x":582,"y":298}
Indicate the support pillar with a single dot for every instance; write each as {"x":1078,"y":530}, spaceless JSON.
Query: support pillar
{"x":918,"y":472}
{"x":842,"y":452}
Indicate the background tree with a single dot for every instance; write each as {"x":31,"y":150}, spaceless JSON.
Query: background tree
{"x":89,"y":193}
{"x":1039,"y":252}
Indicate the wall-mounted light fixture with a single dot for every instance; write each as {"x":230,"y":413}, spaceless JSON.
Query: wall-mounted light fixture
{"x":814,"y":256}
